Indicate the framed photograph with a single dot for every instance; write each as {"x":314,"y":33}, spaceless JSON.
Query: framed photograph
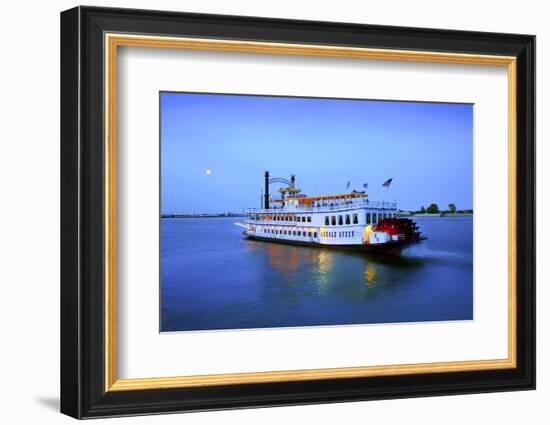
{"x":261,"y":212}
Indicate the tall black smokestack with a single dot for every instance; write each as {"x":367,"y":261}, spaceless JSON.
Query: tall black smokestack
{"x":266,"y":190}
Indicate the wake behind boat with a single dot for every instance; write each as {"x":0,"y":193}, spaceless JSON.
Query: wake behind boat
{"x":345,"y":221}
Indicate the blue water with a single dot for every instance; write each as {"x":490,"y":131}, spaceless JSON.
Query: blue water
{"x":212,"y":278}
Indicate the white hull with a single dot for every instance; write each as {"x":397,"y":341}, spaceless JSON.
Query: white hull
{"x":337,"y":225}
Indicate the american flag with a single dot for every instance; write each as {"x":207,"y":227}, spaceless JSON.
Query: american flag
{"x":387,"y":182}
{"x":347,"y":187}
{"x":365,"y":185}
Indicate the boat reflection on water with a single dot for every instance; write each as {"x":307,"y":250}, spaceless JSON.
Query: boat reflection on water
{"x":370,"y":275}
{"x":328,"y":269}
{"x":325,"y":261}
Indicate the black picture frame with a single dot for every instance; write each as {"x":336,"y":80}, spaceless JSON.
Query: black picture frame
{"x":83,"y":392}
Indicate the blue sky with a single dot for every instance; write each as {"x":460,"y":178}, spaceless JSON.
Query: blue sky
{"x":427,"y":148}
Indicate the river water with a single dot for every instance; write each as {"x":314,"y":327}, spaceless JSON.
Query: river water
{"x":213,"y":278}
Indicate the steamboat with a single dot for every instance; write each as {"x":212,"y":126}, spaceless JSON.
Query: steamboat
{"x":345,"y":221}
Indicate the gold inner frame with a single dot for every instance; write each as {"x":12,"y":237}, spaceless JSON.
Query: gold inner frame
{"x":113,"y":41}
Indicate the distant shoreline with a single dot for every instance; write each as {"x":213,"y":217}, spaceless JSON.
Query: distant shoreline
{"x":438,"y":215}
{"x":202,"y":215}
{"x":237,"y":215}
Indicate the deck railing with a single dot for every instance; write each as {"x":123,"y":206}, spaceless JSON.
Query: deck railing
{"x":336,"y":206}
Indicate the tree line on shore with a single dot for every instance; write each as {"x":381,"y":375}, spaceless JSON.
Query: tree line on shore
{"x":434,"y":209}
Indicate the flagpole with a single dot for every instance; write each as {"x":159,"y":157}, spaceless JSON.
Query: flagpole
{"x":385,"y":193}
{"x":387,"y":185}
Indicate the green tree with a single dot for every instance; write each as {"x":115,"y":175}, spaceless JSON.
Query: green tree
{"x":452,"y":208}
{"x":422,"y":209}
{"x":432,"y":209}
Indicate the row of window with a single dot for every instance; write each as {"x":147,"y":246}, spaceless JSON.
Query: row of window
{"x":340,"y":220}
{"x":302,"y":219}
{"x":331,"y":220}
{"x":374,"y":218}
{"x":289,"y":232}
{"x":346,"y":234}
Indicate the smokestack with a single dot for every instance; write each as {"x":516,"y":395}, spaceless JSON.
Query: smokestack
{"x":292,"y":180}
{"x":266,"y":190}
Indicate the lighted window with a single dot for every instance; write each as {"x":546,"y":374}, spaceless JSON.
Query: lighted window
{"x":327,"y":223}
{"x":355,"y":219}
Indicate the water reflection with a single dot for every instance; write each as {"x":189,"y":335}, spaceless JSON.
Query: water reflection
{"x":329,"y":270}
{"x":324,"y":265}
{"x":369,"y":275}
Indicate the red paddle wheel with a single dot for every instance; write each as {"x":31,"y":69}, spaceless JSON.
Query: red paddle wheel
{"x":402,"y":228}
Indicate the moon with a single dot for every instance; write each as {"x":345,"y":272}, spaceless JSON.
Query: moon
{"x":208,"y":171}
